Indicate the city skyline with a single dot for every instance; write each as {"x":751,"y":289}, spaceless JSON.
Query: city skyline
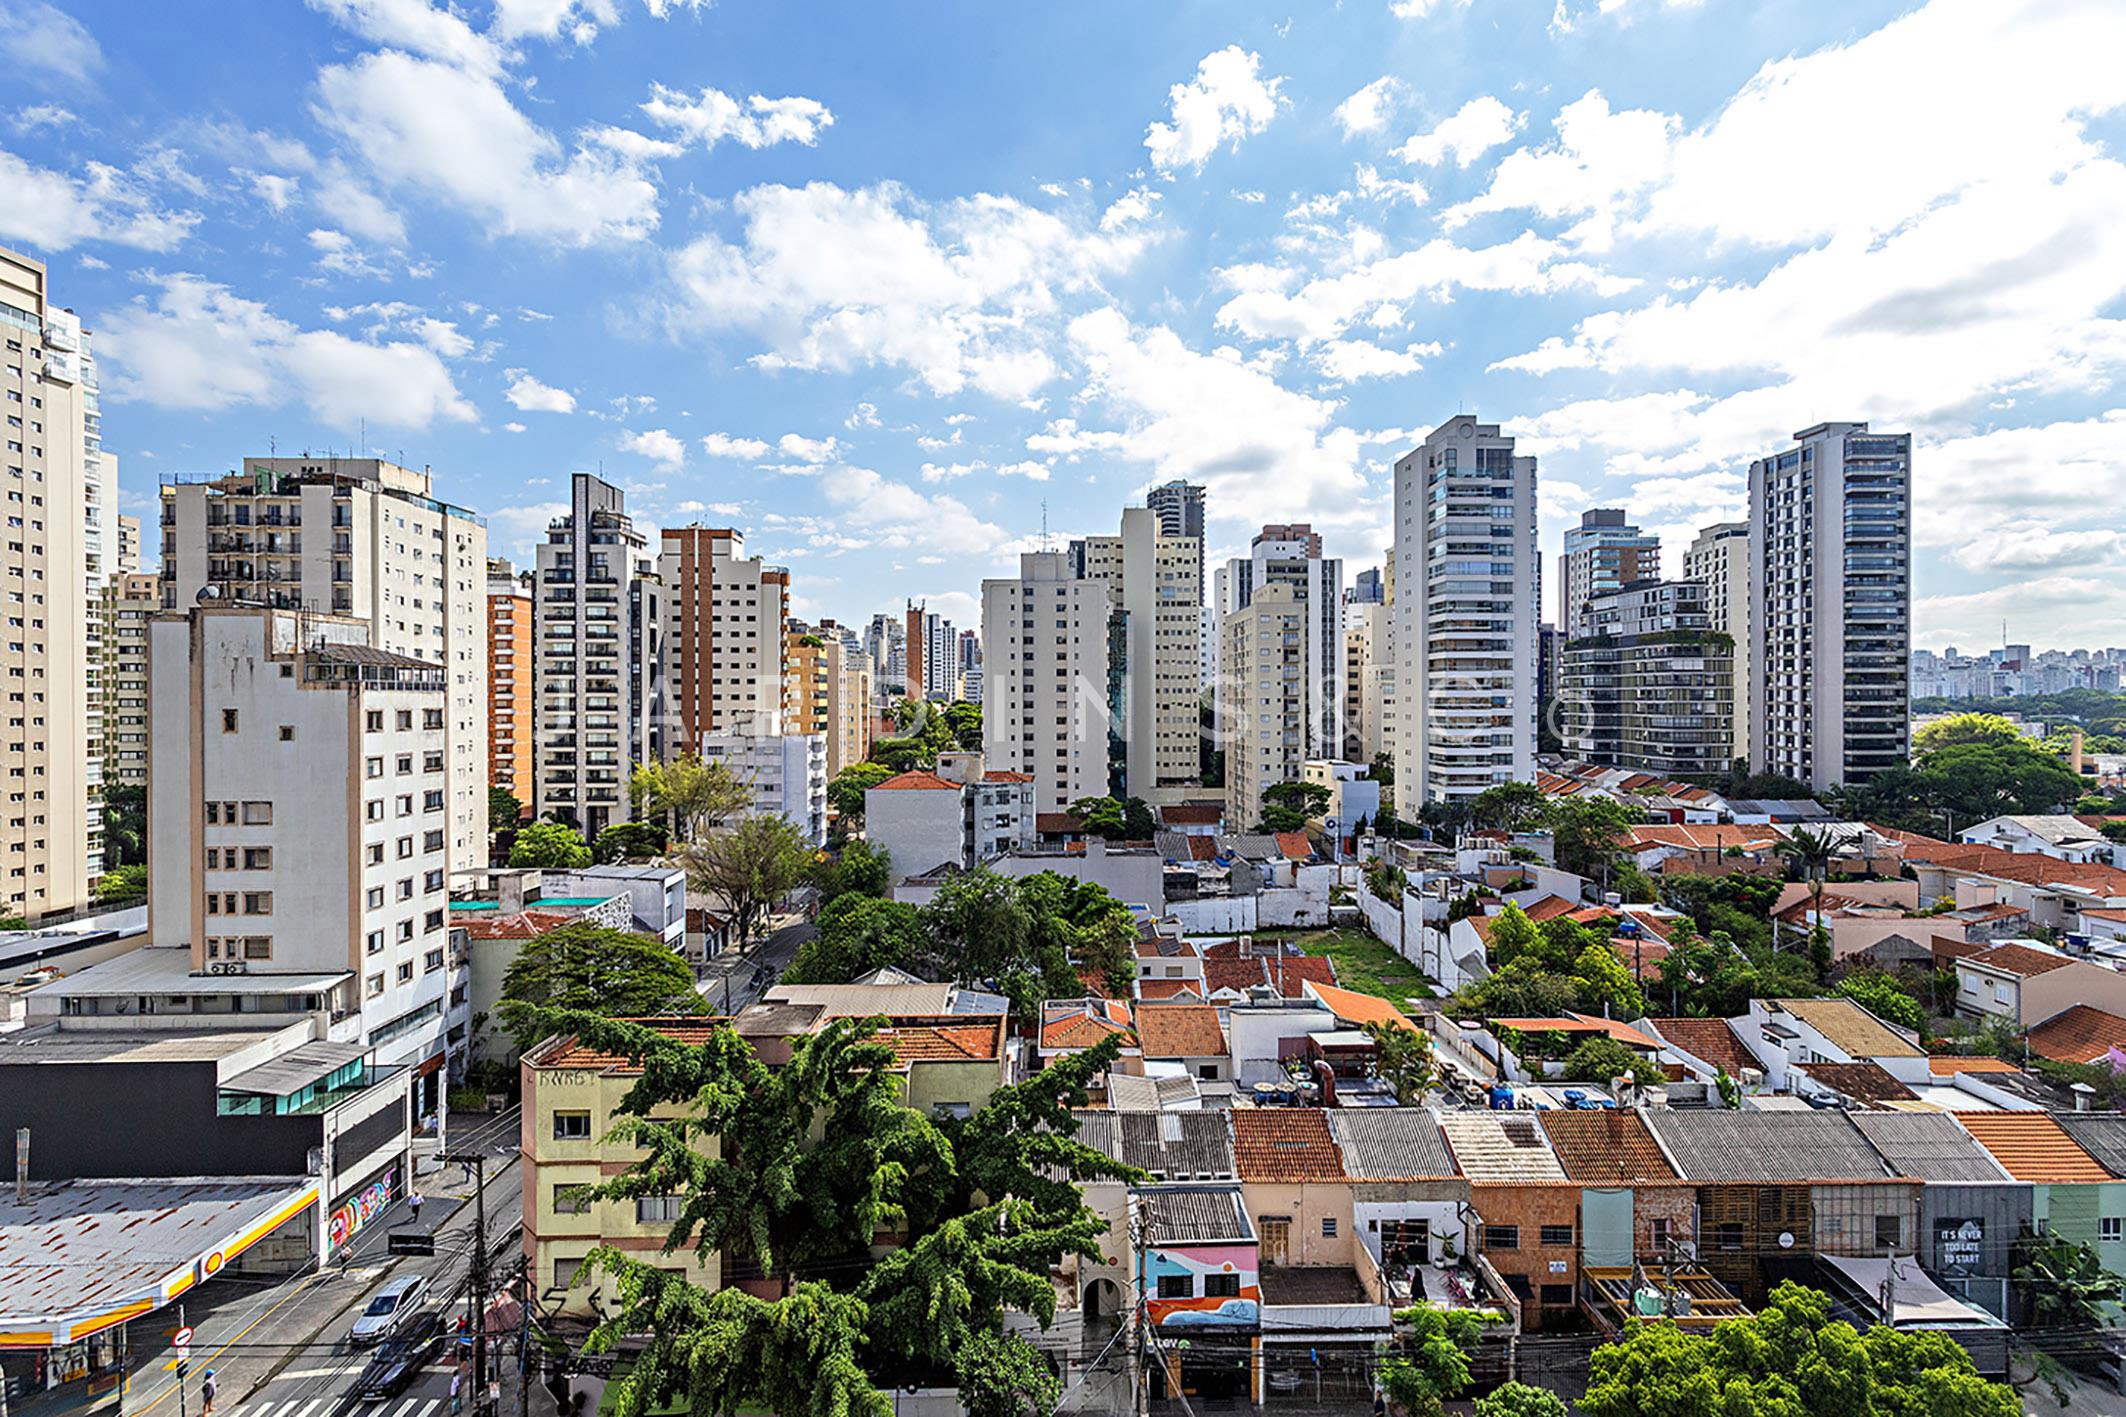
{"x":676,"y":278}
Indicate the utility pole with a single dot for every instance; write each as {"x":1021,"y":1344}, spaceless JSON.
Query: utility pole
{"x":476,"y":1294}
{"x":181,"y":1367}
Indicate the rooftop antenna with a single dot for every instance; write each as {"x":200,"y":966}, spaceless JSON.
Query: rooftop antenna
{"x":1044,"y":524}
{"x":273,"y":446}
{"x":363,"y":427}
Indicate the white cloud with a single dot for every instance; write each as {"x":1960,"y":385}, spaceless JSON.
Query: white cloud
{"x":811,"y":450}
{"x":57,"y":212}
{"x":723,"y":445}
{"x":513,"y":427}
{"x":349,"y":204}
{"x":531,"y":396}
{"x":1472,"y":130}
{"x":1567,"y":16}
{"x":1029,"y":469}
{"x":2057,"y":474}
{"x":42,"y":115}
{"x":41,"y":38}
{"x":549,"y":19}
{"x":658,"y":445}
{"x":337,"y":251}
{"x":1367,"y":110}
{"x":416,"y":27}
{"x":2032,"y":608}
{"x":1127,"y":210}
{"x":1602,"y":160}
{"x":2021,"y":547}
{"x":894,"y":514}
{"x":1213,"y":418}
{"x":276,"y":191}
{"x":950,"y":472}
{"x":836,"y":279}
{"x":517,"y":531}
{"x":864,"y":415}
{"x":1227,"y":101}
{"x":712,"y":116}
{"x":1344,"y":361}
{"x":197,"y":345}
{"x":1419,"y":9}
{"x":443,"y":336}
{"x":452,"y":135}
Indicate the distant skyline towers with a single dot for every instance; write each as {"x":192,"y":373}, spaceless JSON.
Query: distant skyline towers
{"x":1605,"y":552}
{"x":1179,"y":506}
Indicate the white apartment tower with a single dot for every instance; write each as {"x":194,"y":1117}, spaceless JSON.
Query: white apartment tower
{"x":598,"y":624}
{"x":1291,"y":555}
{"x":361,"y":537}
{"x":1604,"y":553}
{"x":1050,"y":701}
{"x":58,"y":505}
{"x":1831,"y":605}
{"x":1369,"y":681}
{"x":299,"y":806}
{"x":1720,"y":558}
{"x":1263,"y":703}
{"x":130,"y":601}
{"x":1465,"y":615}
{"x":1154,"y":587}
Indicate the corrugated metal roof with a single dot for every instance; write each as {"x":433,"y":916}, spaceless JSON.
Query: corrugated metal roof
{"x":1390,"y":1143}
{"x":1766,"y":1146}
{"x":1176,"y":1216}
{"x":2102,"y":1136}
{"x":1928,"y":1146}
{"x":297,"y":1068}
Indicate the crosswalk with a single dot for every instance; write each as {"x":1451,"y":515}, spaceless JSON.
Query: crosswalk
{"x":325,"y":1406}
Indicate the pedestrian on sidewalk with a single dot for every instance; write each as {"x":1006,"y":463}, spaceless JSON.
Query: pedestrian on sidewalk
{"x":207,"y":1389}
{"x":457,"y":1395}
{"x":413,"y":1203}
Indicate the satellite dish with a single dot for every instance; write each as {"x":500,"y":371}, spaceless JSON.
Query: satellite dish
{"x":1786,"y":1239}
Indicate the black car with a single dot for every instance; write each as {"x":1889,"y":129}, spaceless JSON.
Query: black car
{"x":401,"y":1356}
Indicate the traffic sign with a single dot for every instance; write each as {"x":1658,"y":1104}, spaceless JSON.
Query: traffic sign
{"x":181,"y":1342}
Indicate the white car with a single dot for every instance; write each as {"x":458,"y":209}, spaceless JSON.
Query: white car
{"x":387,"y":1309}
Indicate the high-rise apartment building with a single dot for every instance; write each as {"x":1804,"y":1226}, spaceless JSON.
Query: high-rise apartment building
{"x":1179,"y":507}
{"x":811,"y":668}
{"x":130,"y":601}
{"x":511,"y":681}
{"x":1603,"y":553}
{"x":886,"y":645}
{"x":58,"y":485}
{"x":128,"y":541}
{"x":1366,"y":589}
{"x":971,"y":666}
{"x":1831,"y":605}
{"x":1651,"y":683}
{"x":1720,"y":559}
{"x":1369,"y":681}
{"x":1291,"y":555}
{"x":933,"y":654}
{"x":723,"y":634}
{"x":848,"y":717}
{"x":1053,"y":706}
{"x":299,"y":805}
{"x":1263,"y":701}
{"x":600,"y":675}
{"x":1465,"y":615}
{"x":362,"y":537}
{"x":1154,"y":587}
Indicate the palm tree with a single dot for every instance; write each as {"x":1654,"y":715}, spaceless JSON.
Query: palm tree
{"x":1810,"y":855}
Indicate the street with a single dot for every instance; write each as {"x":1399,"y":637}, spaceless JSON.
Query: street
{"x":731,"y":981}
{"x":281,"y":1350}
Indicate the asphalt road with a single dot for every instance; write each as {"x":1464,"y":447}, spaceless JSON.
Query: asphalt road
{"x":752,"y":974}
{"x":282,"y":1350}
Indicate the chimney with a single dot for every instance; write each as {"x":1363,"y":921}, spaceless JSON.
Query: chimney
{"x":2083,"y":1092}
{"x":509,"y":891}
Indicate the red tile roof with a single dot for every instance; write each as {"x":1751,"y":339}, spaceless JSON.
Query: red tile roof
{"x":2028,"y":868}
{"x":1548,"y":908}
{"x":1180,"y":1031}
{"x":1946,"y":1065}
{"x":1004,"y":775}
{"x":488,"y":925}
{"x":1864,"y":1082}
{"x":1703,"y":836}
{"x":569,"y":1052}
{"x":2019,"y":960}
{"x":1606,"y":1146}
{"x":2030,"y":1146}
{"x":1285,"y":1144}
{"x":1057,"y":823}
{"x":955,"y":1038}
{"x":1710,"y":1040}
{"x":1579,"y":1023}
{"x":1156,"y":989}
{"x":1192,"y":814}
{"x":1085,"y":1026}
{"x":2082,"y":1034}
{"x":1295,"y":846}
{"x":916,"y":780}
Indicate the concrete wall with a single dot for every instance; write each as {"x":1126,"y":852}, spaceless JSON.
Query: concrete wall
{"x":922,"y":829}
{"x":1212,"y":915}
{"x":1133,"y":878}
{"x":1307,"y":1205}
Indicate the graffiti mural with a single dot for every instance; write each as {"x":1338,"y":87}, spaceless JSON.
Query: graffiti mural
{"x":1203,"y":1286}
{"x":363,"y":1206}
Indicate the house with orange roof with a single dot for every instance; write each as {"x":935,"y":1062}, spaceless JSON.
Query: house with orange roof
{"x":952,"y":1063}
{"x":1356,"y":1010}
{"x":1185,"y":1035}
{"x":2075,"y":1196}
{"x":1707,"y":848}
{"x":1070,"y":1026}
{"x":959,"y":816}
{"x":2027,"y":984}
{"x":2054,"y":892}
{"x":2082,"y":1034}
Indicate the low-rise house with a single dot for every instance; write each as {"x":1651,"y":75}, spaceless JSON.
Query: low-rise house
{"x":1187,"y":1036}
{"x":1408,"y":1203}
{"x":1971,"y":1212}
{"x":1198,"y":1270}
{"x":2074,"y":1195}
{"x":1193,"y":818}
{"x":951,"y":1063}
{"x":2027,"y":984}
{"x":1633,"y":1205}
{"x":2082,"y":1034}
{"x":2063,"y":838}
{"x":1263,"y":1033}
{"x":1163,"y":957}
{"x":2054,"y":892}
{"x":1526,"y":1207}
{"x":1244,"y":969}
{"x":1782,"y":1032}
{"x":1702,"y":1049}
{"x":1778,"y":1185}
{"x":1070,"y":1026}
{"x":960,"y":815}
{"x":1707,"y":849}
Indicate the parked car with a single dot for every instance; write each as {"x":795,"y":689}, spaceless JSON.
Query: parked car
{"x":388,"y":1309}
{"x":400,"y":1357}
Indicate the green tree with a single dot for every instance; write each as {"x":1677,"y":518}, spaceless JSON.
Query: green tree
{"x":1601,"y":1059}
{"x":1289,"y":806}
{"x":548,"y":845}
{"x":587,"y":969}
{"x":1114,"y":820}
{"x":125,"y":825}
{"x":750,"y":867}
{"x":1987,"y":730}
{"x":1513,"y":935}
{"x":1789,"y":1360}
{"x":859,"y":866}
{"x":978,"y":925}
{"x":2067,"y":1282}
{"x":964,"y":721}
{"x":1517,"y":1399}
{"x":1881,"y":995}
{"x":845,"y":793}
{"x":1809,"y":854}
{"x":504,"y":811}
{"x":121,"y":884}
{"x":1002,"y":1375}
{"x":698,"y":796}
{"x":1428,"y":1360}
{"x":1403,"y":1059}
{"x":1605,"y":984}
{"x":624,"y":841}
{"x":1510,"y":807}
{"x":1522,"y":989}
{"x":1024,"y":1141}
{"x":857,"y":934}
{"x":1586,"y":833}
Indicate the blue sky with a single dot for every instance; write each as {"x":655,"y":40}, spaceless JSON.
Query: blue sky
{"x":879,"y":283}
